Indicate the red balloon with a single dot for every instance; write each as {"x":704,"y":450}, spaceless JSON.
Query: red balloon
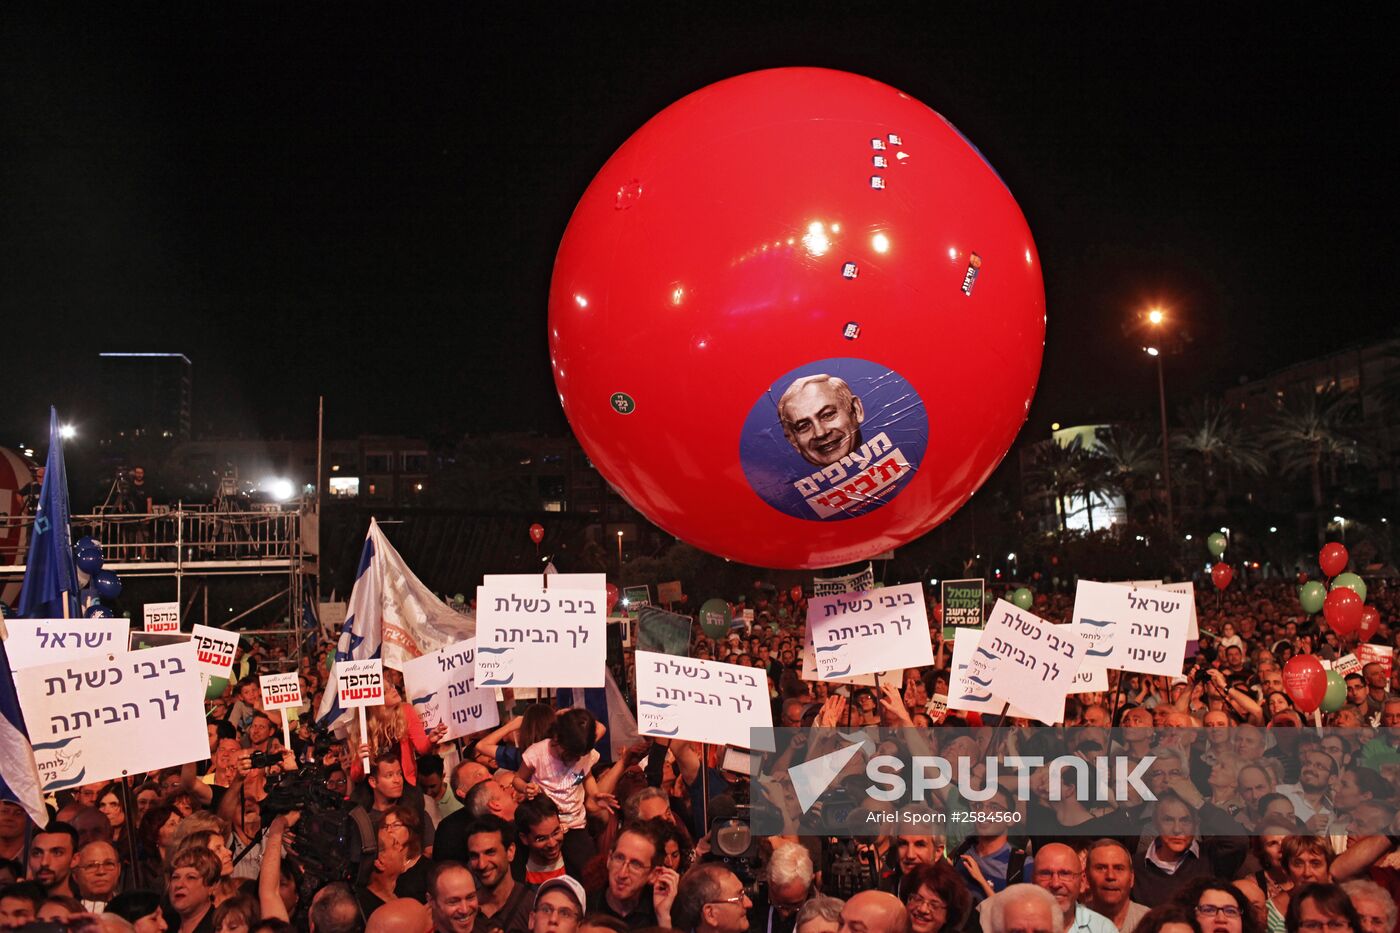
{"x":1370,"y":622}
{"x":796,"y":594}
{"x":613,"y":594}
{"x":1221,"y":574}
{"x":1343,"y":610}
{"x":537,"y":533}
{"x":1305,"y":681}
{"x":814,"y":239}
{"x":1302,"y":578}
{"x":1332,"y":558}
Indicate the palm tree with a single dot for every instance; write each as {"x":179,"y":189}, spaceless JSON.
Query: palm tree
{"x":1313,"y":431}
{"x":1131,"y":458}
{"x":1055,"y":471}
{"x":1216,"y":449}
{"x":1095,"y":479}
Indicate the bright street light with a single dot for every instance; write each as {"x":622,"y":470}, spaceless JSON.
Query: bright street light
{"x":1150,"y":351}
{"x":67,"y":432}
{"x":1155,"y":317}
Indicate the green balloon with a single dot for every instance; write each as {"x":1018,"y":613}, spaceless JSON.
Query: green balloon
{"x":1336,"y":695}
{"x":1352,"y":582}
{"x":1216,"y":544}
{"x":715,"y":618}
{"x":1312,"y":595}
{"x":1023,"y":598}
{"x":215,"y":688}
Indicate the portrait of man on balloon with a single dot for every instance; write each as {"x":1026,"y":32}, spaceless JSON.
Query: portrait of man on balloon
{"x":834,"y":439}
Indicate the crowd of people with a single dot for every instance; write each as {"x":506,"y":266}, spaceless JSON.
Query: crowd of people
{"x":1260,"y":822}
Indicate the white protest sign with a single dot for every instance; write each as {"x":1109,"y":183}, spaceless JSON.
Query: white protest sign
{"x":1035,"y":661}
{"x":114,"y":714}
{"x":1188,"y":591}
{"x":937,"y":708}
{"x":862,"y":633}
{"x":442,"y":688}
{"x":702,"y":701}
{"x":1143,"y":630}
{"x":1347,"y":664}
{"x":36,"y":642}
{"x":281,"y":691}
{"x":530,"y":636}
{"x":970,"y":681}
{"x":857,"y":582}
{"x":359,"y":683}
{"x":161,"y":617}
{"x":809,"y":670}
{"x":214,"y":650}
{"x":1376,"y":654}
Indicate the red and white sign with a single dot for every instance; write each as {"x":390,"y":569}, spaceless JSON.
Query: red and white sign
{"x":162,"y":617}
{"x":360,"y":683}
{"x":280,"y":691}
{"x":214,"y":650}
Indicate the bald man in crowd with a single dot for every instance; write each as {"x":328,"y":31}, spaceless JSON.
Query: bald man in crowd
{"x":401,"y":915}
{"x":875,"y":912}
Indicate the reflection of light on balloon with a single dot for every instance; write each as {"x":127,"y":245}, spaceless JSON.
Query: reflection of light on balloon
{"x":952,"y":253}
{"x":1028,"y":256}
{"x":582,"y":301}
{"x":880,"y":243}
{"x":816,"y":240}
{"x":677,"y":295}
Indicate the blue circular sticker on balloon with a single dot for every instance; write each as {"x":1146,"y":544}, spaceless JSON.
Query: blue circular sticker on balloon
{"x":834,"y":439}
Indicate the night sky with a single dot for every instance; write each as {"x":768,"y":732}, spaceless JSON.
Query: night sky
{"x":365,"y":201}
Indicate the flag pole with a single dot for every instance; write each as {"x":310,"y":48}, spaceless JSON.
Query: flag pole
{"x":364,"y":738}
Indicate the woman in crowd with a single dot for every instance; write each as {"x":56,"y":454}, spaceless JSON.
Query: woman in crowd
{"x":1219,"y":907}
{"x":1322,"y":908}
{"x":393,"y":726}
{"x":936,"y":898}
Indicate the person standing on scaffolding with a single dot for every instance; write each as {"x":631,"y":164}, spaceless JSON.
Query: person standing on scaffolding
{"x":136,"y":500}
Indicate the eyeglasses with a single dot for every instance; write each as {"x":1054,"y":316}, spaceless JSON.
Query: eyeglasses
{"x":1335,"y":925}
{"x":631,"y":866}
{"x":99,"y":866}
{"x":1230,"y":911}
{"x":926,"y":903}
{"x":736,"y":899}
{"x":565,"y":914}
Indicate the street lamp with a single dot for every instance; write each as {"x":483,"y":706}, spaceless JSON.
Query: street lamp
{"x":619,"y":555}
{"x":1157,"y":318}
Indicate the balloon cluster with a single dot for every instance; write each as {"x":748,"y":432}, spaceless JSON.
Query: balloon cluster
{"x":1343,"y":606}
{"x":1221,"y":573}
{"x":98,"y":584}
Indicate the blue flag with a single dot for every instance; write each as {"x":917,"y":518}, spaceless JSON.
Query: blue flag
{"x":19,"y":775}
{"x":49,"y":572}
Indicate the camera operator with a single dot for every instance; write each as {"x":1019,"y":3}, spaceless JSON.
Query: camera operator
{"x":789,"y":875}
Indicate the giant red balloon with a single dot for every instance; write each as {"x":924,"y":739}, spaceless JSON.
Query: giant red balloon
{"x":748,"y":244}
{"x":1221,"y":574}
{"x":1332,"y":558}
{"x":1343,"y":610}
{"x":1305,"y":682}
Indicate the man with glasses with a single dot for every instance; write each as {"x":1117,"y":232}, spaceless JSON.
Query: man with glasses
{"x":558,"y":906}
{"x":640,"y":890}
{"x":711,"y":899}
{"x":99,"y":873}
{"x":1057,"y":869}
{"x":490,"y":852}
{"x":537,"y":823}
